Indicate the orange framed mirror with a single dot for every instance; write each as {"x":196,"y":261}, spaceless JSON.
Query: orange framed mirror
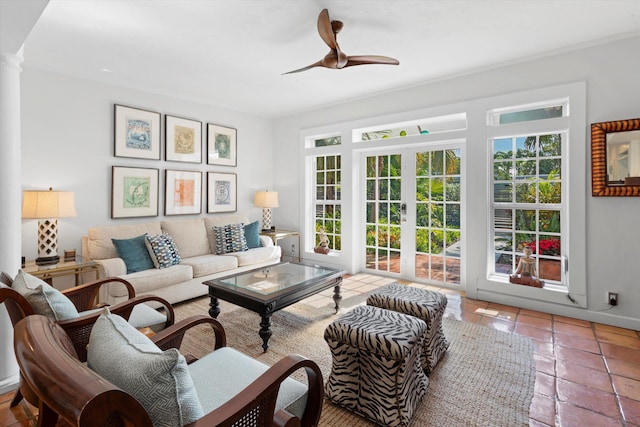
{"x":615,"y":158}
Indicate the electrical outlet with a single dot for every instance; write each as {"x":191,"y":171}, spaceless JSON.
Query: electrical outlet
{"x":612,"y":298}
{"x":293,"y":248}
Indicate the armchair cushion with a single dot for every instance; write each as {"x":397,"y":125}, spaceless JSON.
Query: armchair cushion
{"x":134,"y":253}
{"x":163,"y":250}
{"x":233,"y":371}
{"x":44,"y":298}
{"x":230,"y":238}
{"x":159,"y":380}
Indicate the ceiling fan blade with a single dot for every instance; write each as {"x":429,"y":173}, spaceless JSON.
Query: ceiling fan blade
{"x":308,"y":67}
{"x":328,"y":30}
{"x":371,"y":59}
{"x":320,"y":63}
{"x":330,"y":60}
{"x":325,"y":30}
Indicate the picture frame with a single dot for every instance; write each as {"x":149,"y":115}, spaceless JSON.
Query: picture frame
{"x":136,"y":133}
{"x":134,"y":192}
{"x":182,"y":140}
{"x":183,"y":192}
{"x":222,"y":145}
{"x":222,"y":192}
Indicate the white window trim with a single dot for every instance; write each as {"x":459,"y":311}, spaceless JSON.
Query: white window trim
{"x":574,"y":178}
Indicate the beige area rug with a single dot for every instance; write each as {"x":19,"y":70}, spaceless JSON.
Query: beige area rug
{"x":485,"y":379}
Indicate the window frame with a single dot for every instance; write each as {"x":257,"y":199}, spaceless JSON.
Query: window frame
{"x":574,"y":180}
{"x":332,"y":235}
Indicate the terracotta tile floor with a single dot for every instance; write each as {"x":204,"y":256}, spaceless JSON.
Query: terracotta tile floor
{"x":588,"y":374}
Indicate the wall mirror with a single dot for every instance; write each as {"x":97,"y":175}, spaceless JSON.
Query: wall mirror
{"x":615,"y":158}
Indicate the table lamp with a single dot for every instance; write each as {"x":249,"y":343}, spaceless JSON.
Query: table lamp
{"x":47,"y":207}
{"x":266,"y":200}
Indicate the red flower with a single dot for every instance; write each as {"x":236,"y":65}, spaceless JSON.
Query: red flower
{"x":547,"y":246}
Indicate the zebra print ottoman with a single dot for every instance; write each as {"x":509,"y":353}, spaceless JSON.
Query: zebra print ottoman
{"x":423,"y":304}
{"x":376,"y":369}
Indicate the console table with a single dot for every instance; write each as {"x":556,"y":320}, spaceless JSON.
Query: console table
{"x":76,"y":268}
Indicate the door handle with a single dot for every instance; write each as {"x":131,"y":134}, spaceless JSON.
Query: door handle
{"x":403,"y":209}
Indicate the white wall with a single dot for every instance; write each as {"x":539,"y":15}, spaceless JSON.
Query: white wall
{"x":67,"y":144}
{"x":613,"y":224}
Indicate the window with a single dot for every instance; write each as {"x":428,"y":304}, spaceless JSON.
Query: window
{"x":438,"y":124}
{"x":325,"y":142}
{"x":528,"y":206}
{"x":328,"y":209}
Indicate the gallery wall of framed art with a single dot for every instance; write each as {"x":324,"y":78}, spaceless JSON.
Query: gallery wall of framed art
{"x":136,"y":191}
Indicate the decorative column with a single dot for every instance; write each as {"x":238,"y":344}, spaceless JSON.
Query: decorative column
{"x":10,"y":208}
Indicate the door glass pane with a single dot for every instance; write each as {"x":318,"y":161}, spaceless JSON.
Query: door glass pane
{"x":438,"y":236}
{"x":383,"y":216}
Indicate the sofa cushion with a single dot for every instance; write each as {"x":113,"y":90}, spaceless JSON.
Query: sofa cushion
{"x":190,"y":236}
{"x":163,"y":250}
{"x":252,"y":234}
{"x":159,"y":380}
{"x":100,"y":246}
{"x":219,"y":221}
{"x":44,"y":298}
{"x":233,"y":371}
{"x":147,"y":281}
{"x":257,"y":255}
{"x":134,"y":253}
{"x":229,"y":238}
{"x":210,"y":264}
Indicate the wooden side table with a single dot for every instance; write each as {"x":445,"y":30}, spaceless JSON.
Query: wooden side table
{"x":64,"y":268}
{"x":276,"y":235}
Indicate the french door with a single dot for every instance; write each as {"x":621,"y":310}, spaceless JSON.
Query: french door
{"x":413,"y":213}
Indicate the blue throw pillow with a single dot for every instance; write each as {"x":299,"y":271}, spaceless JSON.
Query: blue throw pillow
{"x":134,"y":253}
{"x":252,"y":235}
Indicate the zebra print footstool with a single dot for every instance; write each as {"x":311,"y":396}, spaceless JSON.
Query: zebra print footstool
{"x":376,"y":369}
{"x":423,"y":304}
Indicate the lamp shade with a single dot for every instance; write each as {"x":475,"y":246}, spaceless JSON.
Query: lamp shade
{"x":48,"y":204}
{"x":266,"y":199}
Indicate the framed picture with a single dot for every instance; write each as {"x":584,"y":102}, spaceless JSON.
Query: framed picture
{"x":222,"y":145}
{"x":136,"y":133}
{"x":134,"y":192}
{"x":183,"y":192}
{"x":183,"y":139}
{"x":222,"y":193}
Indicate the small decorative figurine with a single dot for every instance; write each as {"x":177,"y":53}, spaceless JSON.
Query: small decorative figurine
{"x":323,"y":245}
{"x":526,"y":271}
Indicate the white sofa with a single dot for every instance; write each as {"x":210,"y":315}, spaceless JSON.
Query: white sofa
{"x":195,"y":241}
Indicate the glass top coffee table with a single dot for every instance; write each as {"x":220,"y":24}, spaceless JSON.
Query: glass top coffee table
{"x":269,"y":289}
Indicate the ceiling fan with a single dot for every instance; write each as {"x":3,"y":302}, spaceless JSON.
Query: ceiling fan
{"x":336,"y":59}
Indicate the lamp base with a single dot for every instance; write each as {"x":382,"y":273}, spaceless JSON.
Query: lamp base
{"x":47,"y":260}
{"x":266,"y":218}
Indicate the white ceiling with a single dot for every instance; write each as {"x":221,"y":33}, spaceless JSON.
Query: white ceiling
{"x":232,"y":53}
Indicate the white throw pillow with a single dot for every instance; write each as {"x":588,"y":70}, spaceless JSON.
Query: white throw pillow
{"x":44,"y":298}
{"x":159,"y":380}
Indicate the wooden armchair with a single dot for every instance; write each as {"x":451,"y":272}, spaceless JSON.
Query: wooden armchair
{"x":70,"y":390}
{"x":83,"y":297}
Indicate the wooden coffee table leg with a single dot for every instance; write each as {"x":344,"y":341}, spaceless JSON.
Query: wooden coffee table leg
{"x":214,"y":311}
{"x":337,"y":296}
{"x":265,"y":331}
